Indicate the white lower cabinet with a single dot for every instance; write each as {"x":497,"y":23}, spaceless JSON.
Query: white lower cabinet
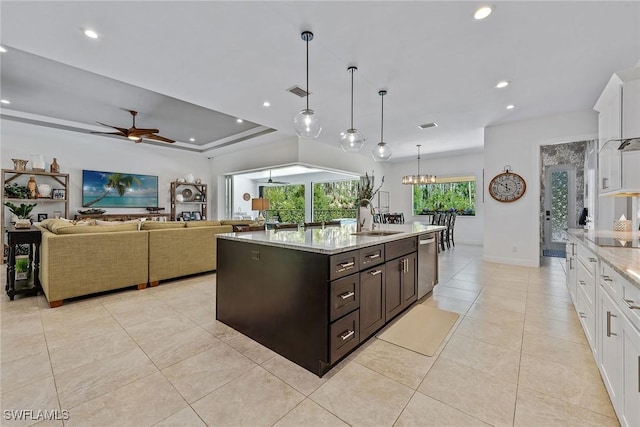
{"x":610,"y":344}
{"x":629,"y":413}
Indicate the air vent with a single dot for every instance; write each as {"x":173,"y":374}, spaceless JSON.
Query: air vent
{"x":297,"y":90}
{"x":428,"y":125}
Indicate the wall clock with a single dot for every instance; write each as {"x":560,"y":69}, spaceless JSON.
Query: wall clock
{"x":246,"y":197}
{"x":507,"y":186}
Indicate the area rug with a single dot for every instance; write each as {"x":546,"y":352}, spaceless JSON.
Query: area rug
{"x":421,"y":329}
{"x":554,"y":253}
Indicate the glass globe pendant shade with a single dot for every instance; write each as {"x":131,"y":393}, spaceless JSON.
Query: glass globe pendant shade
{"x":306,"y":124}
{"x":351,"y":140}
{"x":381,"y":152}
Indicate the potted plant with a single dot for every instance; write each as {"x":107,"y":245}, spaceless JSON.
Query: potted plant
{"x":22,"y":268}
{"x":365,"y":188}
{"x":22,"y":213}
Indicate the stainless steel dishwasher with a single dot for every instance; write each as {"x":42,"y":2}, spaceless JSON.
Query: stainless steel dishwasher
{"x":427,"y":263}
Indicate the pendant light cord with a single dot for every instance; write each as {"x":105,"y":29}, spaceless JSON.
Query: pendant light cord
{"x":308,"y":92}
{"x":382,"y":119}
{"x":418,"y":160}
{"x":352,"y":71}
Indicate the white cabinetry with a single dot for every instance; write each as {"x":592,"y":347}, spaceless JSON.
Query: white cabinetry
{"x":630,"y":408}
{"x":610,"y":343}
{"x":572,"y":279}
{"x":586,"y":270}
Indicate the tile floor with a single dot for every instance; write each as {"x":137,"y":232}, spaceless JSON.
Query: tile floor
{"x":157,"y":357}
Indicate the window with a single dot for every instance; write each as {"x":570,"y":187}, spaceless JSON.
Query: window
{"x":334,"y":200}
{"x":456,"y":193}
{"x":286,"y":203}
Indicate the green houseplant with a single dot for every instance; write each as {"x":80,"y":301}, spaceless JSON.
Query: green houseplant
{"x":22,"y":213}
{"x":22,"y":268}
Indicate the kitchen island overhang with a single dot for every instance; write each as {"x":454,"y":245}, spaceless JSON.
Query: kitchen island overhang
{"x":314,"y":295}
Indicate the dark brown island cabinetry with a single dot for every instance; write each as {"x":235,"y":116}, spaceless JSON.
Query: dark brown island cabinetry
{"x":313,"y":308}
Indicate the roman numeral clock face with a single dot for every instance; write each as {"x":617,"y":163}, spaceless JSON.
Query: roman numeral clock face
{"x":507,"y":187}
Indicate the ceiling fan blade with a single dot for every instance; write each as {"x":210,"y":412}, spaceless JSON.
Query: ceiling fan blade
{"x":141,"y":132}
{"x":159,"y":138}
{"x":122,"y":130}
{"x":109,"y":133}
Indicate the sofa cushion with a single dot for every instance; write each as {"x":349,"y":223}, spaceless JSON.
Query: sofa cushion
{"x":97,"y":229}
{"x":203,"y":224}
{"x":54,"y":225}
{"x":159,"y":225}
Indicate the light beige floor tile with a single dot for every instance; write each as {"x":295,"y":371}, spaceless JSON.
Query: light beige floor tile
{"x":86,"y":310}
{"x":461,"y":294}
{"x":462,"y":284}
{"x":201,"y":374}
{"x":557,"y":350}
{"x":94,"y":379}
{"x":424,"y":411}
{"x":128,"y":314}
{"x":570,"y":331}
{"x":141,"y":403}
{"x":449,"y":304}
{"x":81,"y":352}
{"x":201,"y":316}
{"x":576,"y":386}
{"x":60,"y":336}
{"x":503,"y":335}
{"x":161,"y":327}
{"x":25,"y":370}
{"x":256,"y":398}
{"x":220,"y":330}
{"x":182,"y":345}
{"x":38,"y":395}
{"x":502,"y":290}
{"x":549,"y":300}
{"x":480,"y":395}
{"x":487,"y":358}
{"x":495,"y":314}
{"x":360,"y":396}
{"x":297,"y":377}
{"x":404,"y":366}
{"x":475,"y":277}
{"x":504,"y":302}
{"x":564,"y":314}
{"x":535,"y":409}
{"x":17,"y":346}
{"x":186,"y":417}
{"x":250,"y":348}
{"x":309,"y":413}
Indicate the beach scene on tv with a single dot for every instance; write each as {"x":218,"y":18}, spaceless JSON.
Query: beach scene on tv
{"x":118,"y":190}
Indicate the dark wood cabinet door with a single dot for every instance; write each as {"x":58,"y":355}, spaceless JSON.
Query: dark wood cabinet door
{"x":409,"y":280}
{"x":372,"y":301}
{"x":393,"y":288}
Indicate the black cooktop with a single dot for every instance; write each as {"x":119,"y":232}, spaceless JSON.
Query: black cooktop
{"x":618,"y":243}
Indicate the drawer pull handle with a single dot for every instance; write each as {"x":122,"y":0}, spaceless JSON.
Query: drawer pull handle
{"x":346,"y":335}
{"x":582,"y":282}
{"x":570,"y":263}
{"x":632,"y":305}
{"x":607,"y":279}
{"x":347,"y":295}
{"x":593,"y":260}
{"x":346,"y":265}
{"x":375,"y":272}
{"x":373,"y":256}
{"x":582,"y":315}
{"x":609,"y":316}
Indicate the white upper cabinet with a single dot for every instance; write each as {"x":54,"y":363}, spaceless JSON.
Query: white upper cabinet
{"x":619,"y":108}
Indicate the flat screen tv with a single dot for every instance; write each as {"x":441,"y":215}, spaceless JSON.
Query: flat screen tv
{"x":118,"y":190}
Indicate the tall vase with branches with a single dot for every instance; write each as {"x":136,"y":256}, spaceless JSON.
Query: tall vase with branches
{"x":367,"y":189}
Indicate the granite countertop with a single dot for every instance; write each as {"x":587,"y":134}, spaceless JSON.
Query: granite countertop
{"x":625,"y":261}
{"x":329,"y":240}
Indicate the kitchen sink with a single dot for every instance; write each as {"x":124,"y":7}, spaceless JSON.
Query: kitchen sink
{"x":376,"y":233}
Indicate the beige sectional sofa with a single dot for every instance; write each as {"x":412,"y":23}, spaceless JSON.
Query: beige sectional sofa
{"x":79,"y":259}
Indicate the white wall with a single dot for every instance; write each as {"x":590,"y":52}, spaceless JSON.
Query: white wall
{"x":76,"y":151}
{"x":467,"y":229}
{"x":511,"y":230}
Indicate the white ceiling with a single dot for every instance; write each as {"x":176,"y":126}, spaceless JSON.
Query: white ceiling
{"x":437,"y":63}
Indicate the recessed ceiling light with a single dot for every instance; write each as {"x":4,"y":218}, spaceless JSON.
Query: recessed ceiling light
{"x":192,"y":139}
{"x":428,"y":125}
{"x":266,"y":104}
{"x":239,"y":120}
{"x":2,"y":49}
{"x":5,"y":101}
{"x":483,"y":12}
{"x":91,"y":34}
{"x":510,"y":107}
{"x":503,"y":83}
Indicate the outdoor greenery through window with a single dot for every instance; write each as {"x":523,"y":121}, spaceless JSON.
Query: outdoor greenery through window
{"x":286,"y":203}
{"x":334,"y":200}
{"x":450,"y":194}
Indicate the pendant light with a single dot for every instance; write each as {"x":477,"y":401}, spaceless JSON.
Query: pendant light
{"x":418,"y":179}
{"x":351,"y":140}
{"x":306,"y":122}
{"x":381,"y":152}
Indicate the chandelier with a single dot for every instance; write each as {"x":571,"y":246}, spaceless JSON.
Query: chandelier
{"x":418,"y":178}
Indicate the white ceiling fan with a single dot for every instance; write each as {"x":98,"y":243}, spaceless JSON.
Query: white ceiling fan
{"x":271,"y":181}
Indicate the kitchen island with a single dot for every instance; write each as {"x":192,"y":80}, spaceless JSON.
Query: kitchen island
{"x":314,"y":295}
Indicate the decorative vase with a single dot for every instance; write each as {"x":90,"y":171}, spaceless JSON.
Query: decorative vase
{"x":44,"y":190}
{"x":19,"y":165}
{"x":189,"y":178}
{"x":37,"y":163}
{"x":32,"y":188}
{"x":55,"y":167}
{"x":179,"y":198}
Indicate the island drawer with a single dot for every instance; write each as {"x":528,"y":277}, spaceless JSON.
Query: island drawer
{"x":370,"y":256}
{"x":343,"y":264}
{"x":344,"y":296}
{"x":344,"y":336}
{"x":400,"y":247}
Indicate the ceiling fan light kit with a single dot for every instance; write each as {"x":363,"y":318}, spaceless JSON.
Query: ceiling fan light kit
{"x":381,"y":152}
{"x":306,"y":123}
{"x":418,"y":178}
{"x":351,"y":140}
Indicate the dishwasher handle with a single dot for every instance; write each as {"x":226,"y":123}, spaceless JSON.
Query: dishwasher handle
{"x":427,"y":241}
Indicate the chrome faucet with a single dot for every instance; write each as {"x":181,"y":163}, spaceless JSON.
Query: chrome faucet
{"x":360,"y":224}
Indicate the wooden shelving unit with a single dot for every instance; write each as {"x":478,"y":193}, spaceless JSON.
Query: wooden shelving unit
{"x":194,"y":199}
